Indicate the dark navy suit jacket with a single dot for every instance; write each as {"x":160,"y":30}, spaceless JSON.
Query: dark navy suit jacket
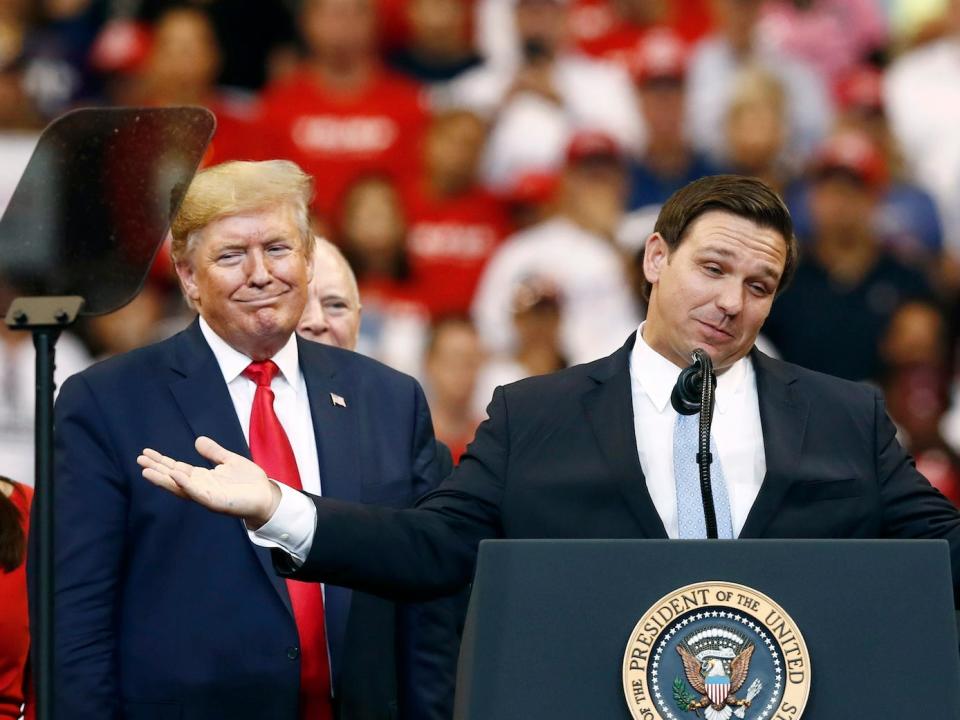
{"x":165,"y":610}
{"x":557,"y":458}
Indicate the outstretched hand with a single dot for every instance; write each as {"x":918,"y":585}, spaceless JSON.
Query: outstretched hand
{"x":236,"y":486}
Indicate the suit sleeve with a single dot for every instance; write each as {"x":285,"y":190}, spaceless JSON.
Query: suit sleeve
{"x":912,"y":508}
{"x":419,"y":553}
{"x":90,"y":508}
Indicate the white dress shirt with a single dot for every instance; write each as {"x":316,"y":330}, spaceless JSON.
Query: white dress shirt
{"x":736,"y":430}
{"x":292,"y":405}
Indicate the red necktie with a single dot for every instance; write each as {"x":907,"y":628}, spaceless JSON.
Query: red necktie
{"x":271,"y":450}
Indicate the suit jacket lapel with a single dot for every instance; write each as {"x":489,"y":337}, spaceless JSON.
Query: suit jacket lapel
{"x":609,"y":411}
{"x":783,"y":417}
{"x":205,"y":402}
{"x":340,"y":441}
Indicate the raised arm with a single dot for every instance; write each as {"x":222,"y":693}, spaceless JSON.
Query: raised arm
{"x":413,"y":554}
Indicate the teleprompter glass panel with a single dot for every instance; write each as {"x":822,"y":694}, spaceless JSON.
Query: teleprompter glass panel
{"x":96,"y":201}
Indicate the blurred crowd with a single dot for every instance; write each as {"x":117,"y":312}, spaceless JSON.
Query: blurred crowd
{"x":490,"y":170}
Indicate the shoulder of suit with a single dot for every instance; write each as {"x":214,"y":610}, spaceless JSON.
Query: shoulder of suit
{"x":350,"y":361}
{"x":569,"y":380}
{"x":818,"y":385}
{"x":149,"y":358}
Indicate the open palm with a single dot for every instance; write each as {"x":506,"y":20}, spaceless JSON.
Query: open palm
{"x":235,"y":486}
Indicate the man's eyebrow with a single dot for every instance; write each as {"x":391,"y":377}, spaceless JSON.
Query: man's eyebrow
{"x":227,"y":245}
{"x":767,"y":270}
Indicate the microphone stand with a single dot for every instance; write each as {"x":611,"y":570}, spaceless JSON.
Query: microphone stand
{"x":693,"y":393}
{"x":45,"y":317}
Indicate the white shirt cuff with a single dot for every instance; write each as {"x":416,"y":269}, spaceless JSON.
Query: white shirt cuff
{"x":291,"y":527}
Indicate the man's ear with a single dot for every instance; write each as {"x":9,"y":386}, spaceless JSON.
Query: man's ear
{"x":188,"y":280}
{"x":655,"y":255}
{"x":311,"y":264}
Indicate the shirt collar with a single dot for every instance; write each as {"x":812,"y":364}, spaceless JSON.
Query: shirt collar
{"x":232,"y":362}
{"x":656,"y":376}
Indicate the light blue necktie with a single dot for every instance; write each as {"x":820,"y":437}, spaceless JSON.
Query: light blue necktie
{"x":686,"y":471}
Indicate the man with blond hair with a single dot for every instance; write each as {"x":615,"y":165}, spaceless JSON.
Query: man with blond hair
{"x":164,"y":611}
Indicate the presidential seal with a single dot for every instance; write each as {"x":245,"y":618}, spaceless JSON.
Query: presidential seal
{"x":716,"y":650}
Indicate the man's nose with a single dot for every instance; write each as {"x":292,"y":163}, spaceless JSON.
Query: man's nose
{"x":730,"y":297}
{"x":258,"y":268}
{"x":313,"y":322}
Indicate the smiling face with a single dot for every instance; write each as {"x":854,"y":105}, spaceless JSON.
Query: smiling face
{"x":332,"y":313}
{"x":247,"y":276}
{"x":714,"y":290}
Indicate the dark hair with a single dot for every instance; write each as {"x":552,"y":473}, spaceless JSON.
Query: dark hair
{"x":739,"y":195}
{"x":12,"y":540}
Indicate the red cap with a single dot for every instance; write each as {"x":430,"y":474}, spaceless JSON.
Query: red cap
{"x":861,"y":88}
{"x":122,"y":46}
{"x":533,"y":188}
{"x":592,"y":145}
{"x":660,"y":55}
{"x":853,"y":152}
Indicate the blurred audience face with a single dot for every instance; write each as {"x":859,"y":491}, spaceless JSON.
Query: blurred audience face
{"x":374,"y":228}
{"x":537,"y":314}
{"x":17,"y":111}
{"x":594,"y":192}
{"x":641,"y":12}
{"x":247,"y":276}
{"x":541,"y":27}
{"x":848,"y":176}
{"x":539,"y":326}
{"x":453,"y":362}
{"x":339,"y":31}
{"x":132,"y":326}
{"x":439,"y":29}
{"x":915,"y":336}
{"x":662,"y":103}
{"x":917,"y":397}
{"x":861,"y":107}
{"x":841,"y":207}
{"x":736,"y":20}
{"x":184,"y":56}
{"x":714,"y":290}
{"x":532,"y":199}
{"x":454,"y":143}
{"x":756,"y":123}
{"x":755,"y":136}
{"x":332,"y":313}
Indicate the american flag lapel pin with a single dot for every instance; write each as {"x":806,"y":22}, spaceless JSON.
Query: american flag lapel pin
{"x":337,"y":400}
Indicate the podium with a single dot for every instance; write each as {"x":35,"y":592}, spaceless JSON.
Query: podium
{"x":550,"y":622}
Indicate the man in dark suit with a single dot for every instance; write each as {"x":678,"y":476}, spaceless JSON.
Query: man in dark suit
{"x":164,"y":610}
{"x":585,"y":453}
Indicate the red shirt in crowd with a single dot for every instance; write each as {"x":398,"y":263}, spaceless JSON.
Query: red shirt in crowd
{"x":338,"y":137}
{"x":14,"y":625}
{"x":598,"y":30}
{"x":236,"y":135}
{"x":449,"y":241}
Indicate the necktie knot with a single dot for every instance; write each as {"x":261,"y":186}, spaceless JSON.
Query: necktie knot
{"x":261,"y":372}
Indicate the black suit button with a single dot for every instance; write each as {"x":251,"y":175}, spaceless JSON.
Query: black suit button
{"x":293,"y":653}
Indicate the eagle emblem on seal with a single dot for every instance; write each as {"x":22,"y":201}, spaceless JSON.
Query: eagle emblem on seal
{"x":716,"y":662}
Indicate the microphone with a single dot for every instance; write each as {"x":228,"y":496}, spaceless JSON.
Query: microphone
{"x":688,"y":392}
{"x":691,"y":395}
